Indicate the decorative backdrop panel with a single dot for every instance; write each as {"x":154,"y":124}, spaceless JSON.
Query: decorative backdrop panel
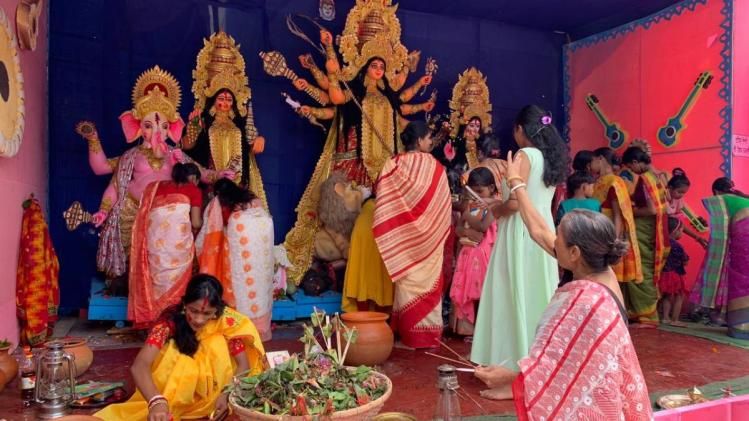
{"x":665,"y":78}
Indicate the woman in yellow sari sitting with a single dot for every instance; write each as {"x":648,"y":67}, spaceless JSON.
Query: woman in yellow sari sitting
{"x":190,"y":355}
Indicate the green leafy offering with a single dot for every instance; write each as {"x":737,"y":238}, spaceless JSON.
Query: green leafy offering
{"x":316,"y":384}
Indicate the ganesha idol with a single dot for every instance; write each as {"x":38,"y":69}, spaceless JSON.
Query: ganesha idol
{"x":152,"y":120}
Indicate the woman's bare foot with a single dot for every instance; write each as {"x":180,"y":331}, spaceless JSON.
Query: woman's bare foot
{"x":498,"y":394}
{"x":678,"y":323}
{"x":401,"y":345}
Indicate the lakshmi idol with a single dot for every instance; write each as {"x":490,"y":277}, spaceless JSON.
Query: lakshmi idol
{"x":365,"y":102}
{"x":152,"y":120}
{"x":221,"y":132}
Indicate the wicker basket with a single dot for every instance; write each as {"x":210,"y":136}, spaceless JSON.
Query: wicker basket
{"x":361,"y":413}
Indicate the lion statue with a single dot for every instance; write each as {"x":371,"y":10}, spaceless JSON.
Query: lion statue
{"x":340,"y":204}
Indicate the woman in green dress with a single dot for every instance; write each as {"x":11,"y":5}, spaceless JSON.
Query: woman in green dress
{"x":521,"y":277}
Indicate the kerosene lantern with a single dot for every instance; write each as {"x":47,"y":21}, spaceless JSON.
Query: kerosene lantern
{"x":55,"y":381}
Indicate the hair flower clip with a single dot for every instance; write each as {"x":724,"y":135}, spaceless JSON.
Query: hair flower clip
{"x":546,"y":120}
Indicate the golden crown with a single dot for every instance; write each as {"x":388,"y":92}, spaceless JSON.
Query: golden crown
{"x":372,"y":30}
{"x":156,"y":90}
{"x":470,"y":99}
{"x":220,"y":66}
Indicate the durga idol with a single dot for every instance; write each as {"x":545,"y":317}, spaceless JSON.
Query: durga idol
{"x":365,"y":101}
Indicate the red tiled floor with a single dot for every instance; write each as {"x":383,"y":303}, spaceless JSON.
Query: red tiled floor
{"x":692,"y":361}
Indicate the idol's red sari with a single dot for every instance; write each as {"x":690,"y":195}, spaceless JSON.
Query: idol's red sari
{"x":411,"y":223}
{"x":582,"y":364}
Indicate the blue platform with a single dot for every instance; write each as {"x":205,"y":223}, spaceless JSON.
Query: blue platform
{"x":299,"y":306}
{"x":104,"y":307}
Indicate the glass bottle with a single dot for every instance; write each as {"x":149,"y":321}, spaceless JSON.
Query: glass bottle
{"x":448,"y":406}
{"x":27,"y":371}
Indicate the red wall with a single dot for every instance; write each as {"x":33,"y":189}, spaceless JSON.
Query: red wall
{"x":642,"y":74}
{"x":26,"y":172}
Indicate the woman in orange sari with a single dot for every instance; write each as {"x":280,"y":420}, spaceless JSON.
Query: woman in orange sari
{"x":162,"y":252}
{"x":411,"y":223}
{"x":616,"y":204}
{"x":651,"y":224}
{"x":236,"y":246}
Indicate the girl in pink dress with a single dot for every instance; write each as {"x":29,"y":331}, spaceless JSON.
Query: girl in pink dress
{"x":477,"y":231}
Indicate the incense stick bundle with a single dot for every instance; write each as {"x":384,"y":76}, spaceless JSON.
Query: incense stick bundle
{"x":448,"y":359}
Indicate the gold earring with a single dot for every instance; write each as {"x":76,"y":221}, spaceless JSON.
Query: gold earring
{"x":381,"y":84}
{"x":212,"y":111}
{"x":231,"y":114}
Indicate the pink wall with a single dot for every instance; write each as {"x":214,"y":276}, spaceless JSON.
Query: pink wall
{"x":26,"y":172}
{"x":741,"y":88}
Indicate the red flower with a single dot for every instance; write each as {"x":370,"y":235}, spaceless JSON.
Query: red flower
{"x":230,"y":321}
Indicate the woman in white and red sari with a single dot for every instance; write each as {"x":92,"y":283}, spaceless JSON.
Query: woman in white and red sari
{"x":236,"y":246}
{"x":162,"y":253}
{"x":411,"y":223}
{"x":582,"y":364}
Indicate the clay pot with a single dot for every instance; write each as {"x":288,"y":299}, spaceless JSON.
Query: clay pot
{"x":375,"y":339}
{"x":3,"y":380}
{"x":83,"y":354}
{"x":8,"y":365}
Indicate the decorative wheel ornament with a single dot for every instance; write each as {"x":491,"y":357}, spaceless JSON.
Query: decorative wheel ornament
{"x":11,"y":91}
{"x":27,"y":23}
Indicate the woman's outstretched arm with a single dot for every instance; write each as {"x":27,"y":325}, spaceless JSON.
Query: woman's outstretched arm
{"x":539,"y":231}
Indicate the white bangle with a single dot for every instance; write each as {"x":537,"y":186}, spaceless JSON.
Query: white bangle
{"x":519,"y":186}
{"x":156,"y":398}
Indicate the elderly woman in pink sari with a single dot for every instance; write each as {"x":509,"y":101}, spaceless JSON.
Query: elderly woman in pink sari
{"x":582,"y":364}
{"x":236,"y":246}
{"x":162,"y":252}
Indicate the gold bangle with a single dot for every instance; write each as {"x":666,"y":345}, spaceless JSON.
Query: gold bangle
{"x":330,"y":52}
{"x":94,"y":145}
{"x":513,"y":178}
{"x":106,"y":205}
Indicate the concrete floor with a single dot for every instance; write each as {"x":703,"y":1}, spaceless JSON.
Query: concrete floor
{"x":669,"y":361}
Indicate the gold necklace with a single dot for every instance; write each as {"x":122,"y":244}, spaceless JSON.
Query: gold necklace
{"x":225,"y":140}
{"x":153,"y":161}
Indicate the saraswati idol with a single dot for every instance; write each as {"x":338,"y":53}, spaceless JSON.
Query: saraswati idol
{"x":221,"y":132}
{"x":365,"y":103}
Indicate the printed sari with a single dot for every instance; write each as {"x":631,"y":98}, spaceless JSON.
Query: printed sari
{"x":411,"y":223}
{"x":582,"y":364}
{"x":724,"y":278}
{"x":37,"y":289}
{"x":652,"y":239}
{"x":239,"y":252}
{"x":114,"y":239}
{"x":192,"y":385}
{"x":611,"y":187}
{"x":161,"y":256}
